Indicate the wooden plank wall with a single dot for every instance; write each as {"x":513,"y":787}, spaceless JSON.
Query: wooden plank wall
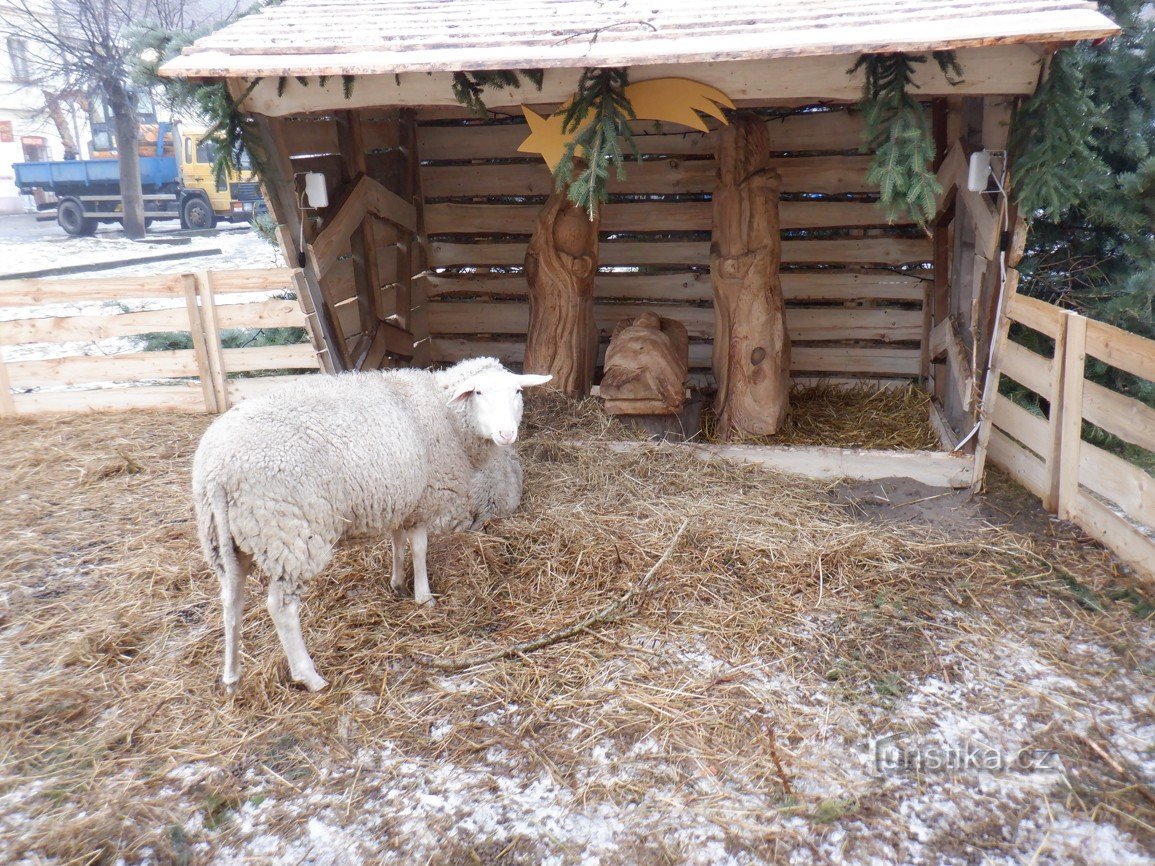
{"x":855,"y":287}
{"x":366,"y":279}
{"x":1112,"y":498}
{"x":81,"y":382}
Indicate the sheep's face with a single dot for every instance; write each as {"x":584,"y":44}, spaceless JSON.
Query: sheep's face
{"x":492,"y":404}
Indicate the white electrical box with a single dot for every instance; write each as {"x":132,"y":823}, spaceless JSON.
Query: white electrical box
{"x":316,"y":192}
{"x":980,"y":171}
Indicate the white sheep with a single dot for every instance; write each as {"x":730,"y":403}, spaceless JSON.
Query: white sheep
{"x":495,"y":491}
{"x":280,"y":479}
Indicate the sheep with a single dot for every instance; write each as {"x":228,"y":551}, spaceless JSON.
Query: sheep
{"x":280,"y":479}
{"x":495,"y":491}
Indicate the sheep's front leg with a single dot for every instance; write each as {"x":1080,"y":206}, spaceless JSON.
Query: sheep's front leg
{"x":419,"y":543}
{"x":398,"y":581}
{"x":285,"y":609}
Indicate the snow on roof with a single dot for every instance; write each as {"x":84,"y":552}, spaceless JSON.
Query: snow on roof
{"x":335,"y":37}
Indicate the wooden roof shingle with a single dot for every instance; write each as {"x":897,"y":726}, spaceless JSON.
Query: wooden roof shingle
{"x":334,"y":37}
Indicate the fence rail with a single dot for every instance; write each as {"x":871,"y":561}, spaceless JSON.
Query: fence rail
{"x":1112,"y":499}
{"x":81,"y":382}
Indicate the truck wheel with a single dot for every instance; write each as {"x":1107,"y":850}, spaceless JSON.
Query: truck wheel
{"x":70,"y":217}
{"x":196,"y":214}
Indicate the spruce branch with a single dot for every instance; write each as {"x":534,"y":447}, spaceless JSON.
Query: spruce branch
{"x":898,"y":132}
{"x":598,"y":117}
{"x":468,"y":87}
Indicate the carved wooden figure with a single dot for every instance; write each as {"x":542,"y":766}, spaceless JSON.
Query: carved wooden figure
{"x":751,"y":346}
{"x":560,"y":266}
{"x":646,"y":366}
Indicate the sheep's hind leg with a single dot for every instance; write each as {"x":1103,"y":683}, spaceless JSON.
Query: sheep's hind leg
{"x":285,"y":609}
{"x":398,"y":581}
{"x":233,"y":604}
{"x":419,"y":543}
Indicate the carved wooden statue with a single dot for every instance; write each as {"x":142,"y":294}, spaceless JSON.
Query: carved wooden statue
{"x":751,"y":346}
{"x":560,"y":266}
{"x":646,"y":366}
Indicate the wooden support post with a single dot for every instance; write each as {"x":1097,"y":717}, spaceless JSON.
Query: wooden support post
{"x":200,"y":350}
{"x":278,"y":190}
{"x":1058,"y":411}
{"x":418,"y":317}
{"x":924,"y":339}
{"x":212,"y":335}
{"x":990,"y":389}
{"x":1071,"y":418}
{"x":362,"y":243}
{"x":7,"y":404}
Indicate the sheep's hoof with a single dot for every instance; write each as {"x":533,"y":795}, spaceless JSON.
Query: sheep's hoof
{"x":397,"y":586}
{"x":313,"y":682}
{"x":427,"y":601}
{"x":233,"y":687}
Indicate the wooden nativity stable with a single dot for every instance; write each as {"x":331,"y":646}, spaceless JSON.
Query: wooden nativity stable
{"x":420,"y":254}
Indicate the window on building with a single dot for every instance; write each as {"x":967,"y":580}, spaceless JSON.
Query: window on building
{"x":18,"y":53}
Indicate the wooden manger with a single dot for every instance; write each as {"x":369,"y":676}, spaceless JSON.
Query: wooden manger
{"x":424,"y":255}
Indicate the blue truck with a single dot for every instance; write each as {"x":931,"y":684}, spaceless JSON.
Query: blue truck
{"x":175,"y":175}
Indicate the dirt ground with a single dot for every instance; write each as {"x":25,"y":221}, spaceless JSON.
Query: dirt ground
{"x":870,"y":673}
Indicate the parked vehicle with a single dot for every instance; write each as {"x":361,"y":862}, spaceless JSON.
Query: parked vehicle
{"x":177,"y":182}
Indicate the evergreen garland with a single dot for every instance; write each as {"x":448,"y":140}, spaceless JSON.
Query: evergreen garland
{"x":1052,"y":161}
{"x":468,"y":87}
{"x":601,"y":98}
{"x":898,"y":131}
{"x":231,"y":131}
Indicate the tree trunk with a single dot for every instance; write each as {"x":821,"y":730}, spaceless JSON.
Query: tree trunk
{"x":751,"y":346}
{"x":56,"y":112}
{"x":123,"y":109}
{"x":560,"y":266}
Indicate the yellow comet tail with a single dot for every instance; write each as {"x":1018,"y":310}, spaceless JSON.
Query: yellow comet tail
{"x":670,"y":100}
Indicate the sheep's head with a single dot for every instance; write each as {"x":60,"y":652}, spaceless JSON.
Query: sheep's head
{"x":490,"y":401}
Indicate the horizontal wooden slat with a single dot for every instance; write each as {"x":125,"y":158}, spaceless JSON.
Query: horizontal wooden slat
{"x":263,"y":314}
{"x":817,"y":174}
{"x":816,"y":131}
{"x":253,"y":280}
{"x":1023,"y":466}
{"x":242,"y":389}
{"x":875,"y":251}
{"x":87,"y":328}
{"x":1125,"y":541}
{"x":269,"y":358}
{"x":174,"y":398}
{"x":1031,"y":430}
{"x":796,"y":286}
{"x":1128,"y":419}
{"x":1115,"y":479}
{"x":1026,"y":368}
{"x":1033,"y":313}
{"x":645,"y":216}
{"x":24,"y":293}
{"x":1121,"y":349}
{"x":880,"y":361}
{"x":104,"y":368}
{"x":830,"y":323}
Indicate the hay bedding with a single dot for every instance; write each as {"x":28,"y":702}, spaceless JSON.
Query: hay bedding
{"x":724,"y":716}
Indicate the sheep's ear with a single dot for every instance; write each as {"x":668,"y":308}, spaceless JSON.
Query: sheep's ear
{"x":464,"y":392}
{"x":528,"y":380}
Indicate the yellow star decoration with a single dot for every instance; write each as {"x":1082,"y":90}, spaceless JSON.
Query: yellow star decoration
{"x":673,"y":100}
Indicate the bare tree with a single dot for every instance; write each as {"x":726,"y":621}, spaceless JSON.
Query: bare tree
{"x":91,"y":46}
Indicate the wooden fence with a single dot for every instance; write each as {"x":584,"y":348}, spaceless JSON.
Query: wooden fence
{"x":206,"y":371}
{"x":1112,"y":499}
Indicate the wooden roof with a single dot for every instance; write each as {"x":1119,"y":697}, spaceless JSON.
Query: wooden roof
{"x":334,"y":37}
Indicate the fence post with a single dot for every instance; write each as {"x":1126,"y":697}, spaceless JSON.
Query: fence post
{"x":1056,"y":417}
{"x":1071,"y":432}
{"x":213,"y":339}
{"x":197,"y":328}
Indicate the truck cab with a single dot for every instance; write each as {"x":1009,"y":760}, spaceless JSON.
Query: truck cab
{"x":205,"y":199}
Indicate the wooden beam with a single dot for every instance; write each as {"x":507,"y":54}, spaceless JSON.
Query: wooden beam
{"x":200,"y":350}
{"x":365,"y":195}
{"x":279,"y":192}
{"x":996,"y":69}
{"x":937,"y":469}
{"x":212,"y":339}
{"x":1070,"y":420}
{"x":362,"y":245}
